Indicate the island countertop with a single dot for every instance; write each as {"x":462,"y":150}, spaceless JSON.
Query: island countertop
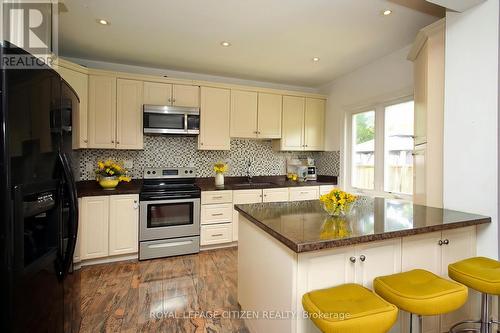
{"x":304,"y":226}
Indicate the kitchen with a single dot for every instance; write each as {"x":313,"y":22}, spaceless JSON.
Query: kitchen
{"x":214,"y":162}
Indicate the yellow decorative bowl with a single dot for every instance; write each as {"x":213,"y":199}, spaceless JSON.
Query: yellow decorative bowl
{"x":109,"y":183}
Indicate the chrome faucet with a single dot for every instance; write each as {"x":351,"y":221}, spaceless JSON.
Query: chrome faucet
{"x":249,"y":176}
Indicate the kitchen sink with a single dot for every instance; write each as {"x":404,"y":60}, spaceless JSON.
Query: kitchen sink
{"x":251,"y":185}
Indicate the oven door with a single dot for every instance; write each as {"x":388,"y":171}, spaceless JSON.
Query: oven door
{"x":161,"y":219}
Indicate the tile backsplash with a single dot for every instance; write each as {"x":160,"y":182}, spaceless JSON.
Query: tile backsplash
{"x":164,"y":151}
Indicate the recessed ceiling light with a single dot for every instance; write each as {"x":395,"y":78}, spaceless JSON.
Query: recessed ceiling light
{"x":315,"y":59}
{"x":225,"y":43}
{"x":103,"y":21}
{"x":387,"y":12}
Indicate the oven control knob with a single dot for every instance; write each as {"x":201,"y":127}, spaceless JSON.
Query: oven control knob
{"x":185,"y":171}
{"x":149,"y":172}
{"x":190,"y":171}
{"x":154,"y":172}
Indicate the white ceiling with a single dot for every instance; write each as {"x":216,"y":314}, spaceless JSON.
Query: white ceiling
{"x":272,"y":40}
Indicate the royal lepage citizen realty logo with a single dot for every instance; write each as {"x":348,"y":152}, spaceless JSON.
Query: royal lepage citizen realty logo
{"x":30,"y":25}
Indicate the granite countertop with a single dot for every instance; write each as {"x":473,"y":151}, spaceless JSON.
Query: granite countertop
{"x":91,"y":188}
{"x":230,"y":183}
{"x":304,"y":226}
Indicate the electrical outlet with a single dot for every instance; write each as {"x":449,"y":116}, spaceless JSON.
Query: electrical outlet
{"x":128,"y":164}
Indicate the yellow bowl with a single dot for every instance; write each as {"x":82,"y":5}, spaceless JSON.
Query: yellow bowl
{"x":108,"y":183}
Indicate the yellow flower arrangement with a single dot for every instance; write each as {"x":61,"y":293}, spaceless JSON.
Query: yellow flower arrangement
{"x":337,"y":202}
{"x":220,"y":167}
{"x":110,"y":168}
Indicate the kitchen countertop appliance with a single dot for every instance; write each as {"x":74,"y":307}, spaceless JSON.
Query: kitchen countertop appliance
{"x":169,"y":217}
{"x":304,"y":168}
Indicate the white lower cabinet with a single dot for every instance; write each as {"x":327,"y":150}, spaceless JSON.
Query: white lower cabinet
{"x":304,"y":193}
{"x":216,"y":233}
{"x":109,"y":226}
{"x":123,"y":224}
{"x":216,"y":217}
{"x":325,"y":189}
{"x":275,"y":194}
{"x":95,"y":227}
{"x":243,"y":197}
{"x":434,"y":252}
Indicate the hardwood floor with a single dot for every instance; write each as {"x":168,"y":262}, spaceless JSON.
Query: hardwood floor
{"x":153,"y":295}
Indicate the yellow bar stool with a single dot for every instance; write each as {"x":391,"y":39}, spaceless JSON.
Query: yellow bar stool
{"x":349,"y":308}
{"x":421,"y":292}
{"x":481,"y":274}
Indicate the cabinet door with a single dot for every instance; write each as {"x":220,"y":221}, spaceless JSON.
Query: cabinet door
{"x":243,"y":197}
{"x":129,"y":131}
{"x":269,"y":116}
{"x":80,"y":83}
{"x":304,"y":193}
{"x":292,"y":136}
{"x":157,"y":93}
{"x":459,"y":244}
{"x":325,"y":189}
{"x":422,"y":251}
{"x":214,"y":119}
{"x":95,"y":222}
{"x":377,"y":259}
{"x":275,"y":194}
{"x":184,"y":95}
{"x":102,"y":111}
{"x":243,"y":114}
{"x":77,"y":255}
{"x":123,"y":224}
{"x":314,"y":124}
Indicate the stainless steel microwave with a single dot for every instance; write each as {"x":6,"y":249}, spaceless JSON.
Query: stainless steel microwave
{"x":164,"y":119}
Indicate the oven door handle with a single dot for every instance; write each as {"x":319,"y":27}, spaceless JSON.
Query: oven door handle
{"x":177,"y":196}
{"x":163,"y":245}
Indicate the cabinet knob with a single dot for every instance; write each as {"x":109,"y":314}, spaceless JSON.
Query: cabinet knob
{"x":169,"y":99}
{"x":352,"y":259}
{"x":362,"y":257}
{"x":446,"y":242}
{"x":117,"y":142}
{"x":85,"y":140}
{"x":440,"y":242}
{"x":112,"y":141}
{"x":173,"y":100}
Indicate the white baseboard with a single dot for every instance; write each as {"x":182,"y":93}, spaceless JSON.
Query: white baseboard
{"x":106,"y":260}
{"x":218,"y":246}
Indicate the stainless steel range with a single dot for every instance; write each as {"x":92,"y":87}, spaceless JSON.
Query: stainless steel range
{"x":169,"y":213}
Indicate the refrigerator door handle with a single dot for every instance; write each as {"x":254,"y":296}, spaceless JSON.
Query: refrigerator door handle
{"x":73,"y":216}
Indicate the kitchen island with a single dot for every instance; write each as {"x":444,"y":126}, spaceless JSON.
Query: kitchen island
{"x":288,"y":249}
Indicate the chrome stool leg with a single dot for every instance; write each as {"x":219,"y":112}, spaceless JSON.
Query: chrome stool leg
{"x":485,"y":322}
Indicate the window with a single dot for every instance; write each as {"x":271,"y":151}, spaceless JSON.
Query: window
{"x":381,"y":147}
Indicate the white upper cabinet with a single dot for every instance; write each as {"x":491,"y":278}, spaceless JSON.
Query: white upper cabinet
{"x":243,"y":114}
{"x":78,"y":79}
{"x":102,"y":111}
{"x":269,"y":116}
{"x":184,"y":95}
{"x":214,"y":119}
{"x":157,"y":93}
{"x":129,"y":132}
{"x":292,"y":136}
{"x":314,"y":124}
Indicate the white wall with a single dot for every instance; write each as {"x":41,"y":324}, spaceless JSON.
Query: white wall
{"x":184,"y":75}
{"x":471,"y":117}
{"x":387,"y":78}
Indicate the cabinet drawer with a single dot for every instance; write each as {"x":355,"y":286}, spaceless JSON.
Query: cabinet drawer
{"x":216,"y":234}
{"x":324,"y":189}
{"x":275,"y":194}
{"x":219,"y":213}
{"x":243,"y":197}
{"x":304,"y":193}
{"x":216,"y":197}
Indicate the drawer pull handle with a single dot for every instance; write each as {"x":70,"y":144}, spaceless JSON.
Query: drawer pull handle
{"x":304,"y":192}
{"x":217,"y":214}
{"x":163,"y":245}
{"x":217,"y":197}
{"x":217,"y":235}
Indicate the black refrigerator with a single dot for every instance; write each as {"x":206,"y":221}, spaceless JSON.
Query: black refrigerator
{"x":40,"y":290}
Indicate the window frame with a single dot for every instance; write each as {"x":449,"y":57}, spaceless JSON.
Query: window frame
{"x":379,"y":153}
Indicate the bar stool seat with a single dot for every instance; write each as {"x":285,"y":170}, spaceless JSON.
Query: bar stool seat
{"x":349,"y":308}
{"x":421,"y":292}
{"x":479,"y":273}
{"x":483,"y":275}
